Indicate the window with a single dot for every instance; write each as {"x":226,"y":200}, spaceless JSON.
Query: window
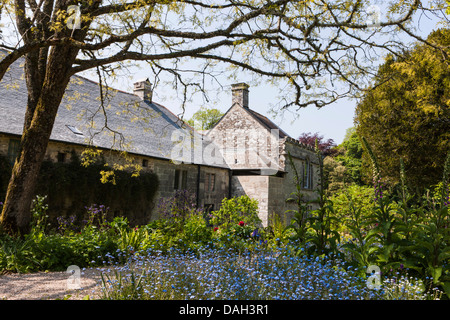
{"x":180,"y":181}
{"x":61,"y":157}
{"x":144,"y":163}
{"x":210,"y":183}
{"x":13,"y":150}
{"x":75,"y":130}
{"x":307,"y":175}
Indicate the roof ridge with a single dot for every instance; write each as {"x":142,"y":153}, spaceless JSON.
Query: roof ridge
{"x":267,"y":119}
{"x":97,"y":83}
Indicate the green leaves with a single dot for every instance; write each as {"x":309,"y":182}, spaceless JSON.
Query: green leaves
{"x":408,"y":102}
{"x":234,"y":210}
{"x":205,"y":119}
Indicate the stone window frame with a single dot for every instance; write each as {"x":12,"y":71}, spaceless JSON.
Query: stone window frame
{"x":210,"y":182}
{"x":307,"y":174}
{"x":61,"y":157}
{"x":180,"y":179}
{"x":13,"y":150}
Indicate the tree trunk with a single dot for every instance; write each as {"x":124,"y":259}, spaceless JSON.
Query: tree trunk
{"x":16,"y":216}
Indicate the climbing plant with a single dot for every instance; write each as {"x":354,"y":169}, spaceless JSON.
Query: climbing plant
{"x":70,"y":188}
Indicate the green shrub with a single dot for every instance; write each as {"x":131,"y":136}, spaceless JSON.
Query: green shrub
{"x":344,"y":202}
{"x":233,"y":211}
{"x":196,"y":230}
{"x":17,"y":255}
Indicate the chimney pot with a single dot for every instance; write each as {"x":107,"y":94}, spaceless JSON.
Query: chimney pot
{"x":143,"y":89}
{"x":240,"y":94}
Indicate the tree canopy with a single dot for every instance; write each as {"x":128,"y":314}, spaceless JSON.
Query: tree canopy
{"x":315,"y":51}
{"x":325,"y":146}
{"x":343,"y":166}
{"x":407,"y":114}
{"x":204,"y":118}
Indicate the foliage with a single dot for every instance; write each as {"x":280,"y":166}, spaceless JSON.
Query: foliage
{"x":178,"y":207}
{"x":183,"y":225}
{"x":70,"y":186}
{"x":236,"y":224}
{"x":205,"y":119}
{"x":346,"y":201}
{"x":350,"y":155}
{"x":336,"y":175}
{"x":405,"y":236}
{"x":17,"y":255}
{"x":389,"y":229}
{"x":406,"y":113}
{"x":298,"y":223}
{"x":197,"y":231}
{"x":39,"y":215}
{"x":324,"y":237}
{"x":326,"y":147}
{"x":234,"y":210}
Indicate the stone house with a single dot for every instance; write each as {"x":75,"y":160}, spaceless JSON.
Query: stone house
{"x":245,"y":152}
{"x":256,"y":151}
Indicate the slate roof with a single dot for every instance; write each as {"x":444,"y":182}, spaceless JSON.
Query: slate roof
{"x":263,"y":120}
{"x":268,"y":124}
{"x":146,"y":127}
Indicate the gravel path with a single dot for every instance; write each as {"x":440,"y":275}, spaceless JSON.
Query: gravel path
{"x":48,"y":285}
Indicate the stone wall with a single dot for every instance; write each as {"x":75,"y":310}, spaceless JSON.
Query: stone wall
{"x":300,"y":155}
{"x":195,"y":175}
{"x":244,"y":142}
{"x":256,"y":187}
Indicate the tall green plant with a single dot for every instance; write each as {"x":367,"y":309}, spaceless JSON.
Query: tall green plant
{"x":323,"y":237}
{"x":39,"y":217}
{"x":313,"y":230}
{"x":382,"y":219}
{"x":432,"y":239}
{"x":410,"y":236}
{"x":299,"y":220}
{"x":361,"y":243}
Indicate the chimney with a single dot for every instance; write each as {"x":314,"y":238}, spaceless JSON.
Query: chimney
{"x":143,"y":89}
{"x":240,"y":94}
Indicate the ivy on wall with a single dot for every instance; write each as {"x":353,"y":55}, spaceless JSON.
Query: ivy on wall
{"x":70,"y":188}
